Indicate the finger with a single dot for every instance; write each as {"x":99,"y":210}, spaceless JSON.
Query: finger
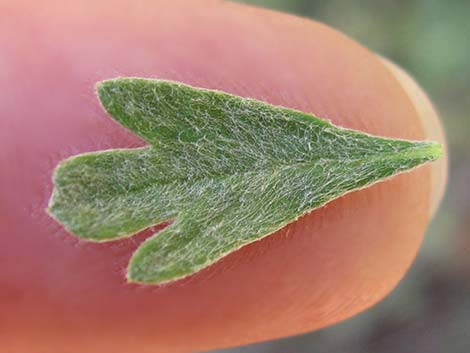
{"x":58,"y":292}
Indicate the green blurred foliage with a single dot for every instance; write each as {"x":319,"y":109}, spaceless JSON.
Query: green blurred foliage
{"x":429,"y":312}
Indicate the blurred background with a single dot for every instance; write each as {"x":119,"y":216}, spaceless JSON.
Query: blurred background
{"x":429,"y":312}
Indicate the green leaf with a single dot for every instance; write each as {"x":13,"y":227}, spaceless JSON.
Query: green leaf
{"x":227,"y":170}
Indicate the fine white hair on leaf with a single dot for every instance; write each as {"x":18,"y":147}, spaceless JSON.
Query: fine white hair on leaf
{"x":227,"y":170}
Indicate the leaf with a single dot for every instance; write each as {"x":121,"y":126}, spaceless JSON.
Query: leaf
{"x":227,"y":170}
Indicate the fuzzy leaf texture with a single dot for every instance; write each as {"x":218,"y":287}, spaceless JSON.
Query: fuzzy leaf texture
{"x":227,"y":170}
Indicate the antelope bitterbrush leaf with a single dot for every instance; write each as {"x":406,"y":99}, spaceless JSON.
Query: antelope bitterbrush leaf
{"x":226,"y":170}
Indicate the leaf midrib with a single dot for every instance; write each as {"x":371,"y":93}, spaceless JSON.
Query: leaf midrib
{"x":275,"y":168}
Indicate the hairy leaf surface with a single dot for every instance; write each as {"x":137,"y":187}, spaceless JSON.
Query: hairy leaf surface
{"x":227,"y":170}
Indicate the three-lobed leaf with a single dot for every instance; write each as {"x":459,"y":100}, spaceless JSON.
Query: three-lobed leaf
{"x":227,"y":170}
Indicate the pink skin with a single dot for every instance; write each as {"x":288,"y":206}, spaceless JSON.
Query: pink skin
{"x":59,"y":294}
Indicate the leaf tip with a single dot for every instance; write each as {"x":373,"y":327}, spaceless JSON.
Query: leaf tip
{"x":429,"y":151}
{"x":103,"y":89}
{"x":52,"y":202}
{"x":135,"y":275}
{"x":143,"y":270}
{"x":437,"y":150}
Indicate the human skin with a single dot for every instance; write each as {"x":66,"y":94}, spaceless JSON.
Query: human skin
{"x":62,"y":295}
